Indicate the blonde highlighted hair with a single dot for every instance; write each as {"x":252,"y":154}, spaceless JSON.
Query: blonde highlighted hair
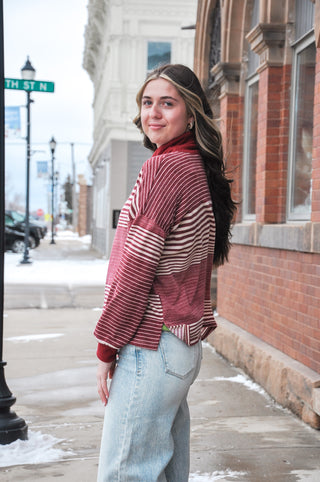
{"x":208,"y":139}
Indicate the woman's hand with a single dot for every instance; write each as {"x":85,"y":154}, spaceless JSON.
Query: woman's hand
{"x":104,"y":371}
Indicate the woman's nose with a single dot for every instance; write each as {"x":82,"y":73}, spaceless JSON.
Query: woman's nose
{"x":155,"y":111}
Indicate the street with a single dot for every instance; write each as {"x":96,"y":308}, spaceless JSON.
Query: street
{"x":237,"y":433}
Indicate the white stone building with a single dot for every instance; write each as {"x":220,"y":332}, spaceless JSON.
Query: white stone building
{"x":123,"y":40}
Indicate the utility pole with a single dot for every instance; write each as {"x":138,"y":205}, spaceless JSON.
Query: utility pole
{"x":74,"y":191}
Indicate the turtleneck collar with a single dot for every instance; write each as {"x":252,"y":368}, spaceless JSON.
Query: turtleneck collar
{"x":183,"y":143}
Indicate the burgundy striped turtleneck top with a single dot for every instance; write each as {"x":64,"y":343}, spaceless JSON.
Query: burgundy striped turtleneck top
{"x":160,"y":265}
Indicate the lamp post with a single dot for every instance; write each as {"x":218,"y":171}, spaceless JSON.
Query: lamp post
{"x":52,"y":144}
{"x":27,"y":73}
{"x":12,"y":427}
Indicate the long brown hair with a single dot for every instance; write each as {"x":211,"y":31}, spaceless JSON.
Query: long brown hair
{"x":209,"y":142}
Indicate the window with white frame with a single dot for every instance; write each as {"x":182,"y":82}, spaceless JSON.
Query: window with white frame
{"x":159,"y":53}
{"x":301,"y":129}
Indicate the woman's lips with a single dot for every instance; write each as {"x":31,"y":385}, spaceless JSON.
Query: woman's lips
{"x":155,"y":126}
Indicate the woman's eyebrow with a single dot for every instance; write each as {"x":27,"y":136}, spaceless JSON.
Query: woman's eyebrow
{"x":164,"y":97}
{"x":167,"y":97}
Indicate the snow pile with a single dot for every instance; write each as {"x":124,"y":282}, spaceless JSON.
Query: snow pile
{"x":68,"y":234}
{"x":243,"y":381}
{"x":38,"y":449}
{"x":52,"y":272}
{"x":217,"y":475}
{"x":57,"y":271}
{"x":27,"y":338}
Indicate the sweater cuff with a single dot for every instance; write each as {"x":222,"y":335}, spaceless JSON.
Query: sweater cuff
{"x":106,"y":353}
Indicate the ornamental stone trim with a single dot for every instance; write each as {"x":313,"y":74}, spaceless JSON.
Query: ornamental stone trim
{"x":268,"y":41}
{"x":302,"y":237}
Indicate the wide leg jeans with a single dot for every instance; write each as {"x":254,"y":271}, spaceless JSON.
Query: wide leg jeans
{"x":146,"y":431}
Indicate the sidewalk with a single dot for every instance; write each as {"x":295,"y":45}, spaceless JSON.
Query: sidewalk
{"x":237,"y":432}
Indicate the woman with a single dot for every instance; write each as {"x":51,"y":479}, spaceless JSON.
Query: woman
{"x":173,"y":228}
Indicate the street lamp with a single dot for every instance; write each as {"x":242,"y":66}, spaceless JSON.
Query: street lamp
{"x":27,"y":73}
{"x":12,"y":427}
{"x":52,"y":144}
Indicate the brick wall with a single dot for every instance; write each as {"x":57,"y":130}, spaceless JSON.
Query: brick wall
{"x":272,"y":145}
{"x":274,"y":294}
{"x":231,"y":111}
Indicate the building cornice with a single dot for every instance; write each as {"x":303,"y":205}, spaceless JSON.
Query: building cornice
{"x":227,"y":76}
{"x":94,"y":33}
{"x":268,"y":41}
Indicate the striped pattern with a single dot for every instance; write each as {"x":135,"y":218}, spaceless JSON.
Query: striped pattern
{"x":160,"y":264}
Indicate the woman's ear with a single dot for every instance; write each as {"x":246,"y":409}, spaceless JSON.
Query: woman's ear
{"x":190,"y":123}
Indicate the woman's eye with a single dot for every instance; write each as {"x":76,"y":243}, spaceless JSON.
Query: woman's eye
{"x":146,"y":102}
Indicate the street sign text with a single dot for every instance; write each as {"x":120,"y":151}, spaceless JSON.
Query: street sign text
{"x":29,"y":85}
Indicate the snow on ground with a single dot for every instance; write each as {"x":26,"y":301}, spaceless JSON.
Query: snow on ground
{"x":38,"y":449}
{"x":42,"y":449}
{"x":27,"y":338}
{"x":56,"y":271}
{"x":217,"y":475}
{"x":67,"y":234}
{"x":243,"y":380}
{"x":88,"y":272}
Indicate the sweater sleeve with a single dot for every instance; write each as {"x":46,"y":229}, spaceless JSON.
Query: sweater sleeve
{"x":128,"y":292}
{"x":105,"y":353}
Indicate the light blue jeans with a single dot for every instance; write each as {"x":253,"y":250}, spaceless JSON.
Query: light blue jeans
{"x":146,"y":429}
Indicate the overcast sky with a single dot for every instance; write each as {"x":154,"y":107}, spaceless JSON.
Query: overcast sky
{"x":51,"y":33}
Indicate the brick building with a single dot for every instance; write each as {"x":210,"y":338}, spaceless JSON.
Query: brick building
{"x":261,"y":60}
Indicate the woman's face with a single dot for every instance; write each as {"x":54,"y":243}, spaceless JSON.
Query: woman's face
{"x":163,"y":112}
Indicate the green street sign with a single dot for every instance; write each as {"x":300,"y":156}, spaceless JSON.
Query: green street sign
{"x":29,"y":85}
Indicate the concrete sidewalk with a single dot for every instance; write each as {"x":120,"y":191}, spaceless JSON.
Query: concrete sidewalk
{"x":237,"y":433}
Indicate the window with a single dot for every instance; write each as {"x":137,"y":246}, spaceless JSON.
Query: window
{"x":250,"y":149}
{"x":301,"y":130}
{"x":251,"y":127}
{"x":159,"y":53}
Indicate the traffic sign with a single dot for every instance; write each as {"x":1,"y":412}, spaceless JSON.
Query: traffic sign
{"x":29,"y":85}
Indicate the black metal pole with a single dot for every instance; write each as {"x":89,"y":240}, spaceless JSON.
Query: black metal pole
{"x":26,"y":259}
{"x":52,"y":197}
{"x":12,"y":427}
{"x":74,"y":193}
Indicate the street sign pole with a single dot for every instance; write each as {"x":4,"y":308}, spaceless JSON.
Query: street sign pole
{"x":26,"y":259}
{"x":28,"y":86}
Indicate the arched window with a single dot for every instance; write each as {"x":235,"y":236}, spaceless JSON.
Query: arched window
{"x":301,"y":113}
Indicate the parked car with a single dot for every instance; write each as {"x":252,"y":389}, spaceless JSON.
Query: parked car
{"x":42,"y":226}
{"x":15,"y":220}
{"x":14,"y":240}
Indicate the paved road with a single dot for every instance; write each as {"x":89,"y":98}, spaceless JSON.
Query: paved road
{"x":237,"y":434}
